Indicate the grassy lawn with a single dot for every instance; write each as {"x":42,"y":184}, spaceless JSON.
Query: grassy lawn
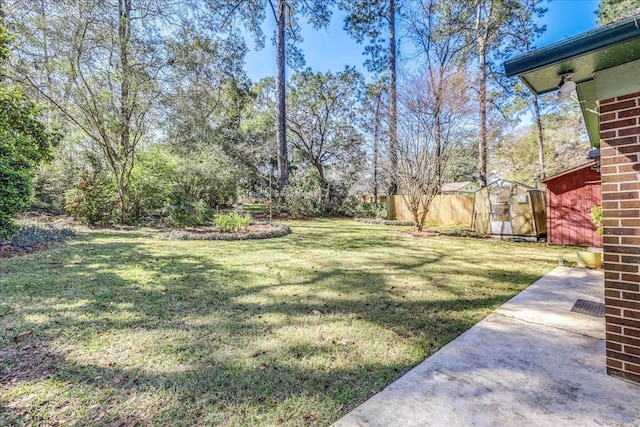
{"x":128,"y":329}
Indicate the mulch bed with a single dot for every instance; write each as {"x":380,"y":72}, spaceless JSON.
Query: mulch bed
{"x":416,"y":233}
{"x":9,"y":251}
{"x":252,"y":232}
{"x":252,"y":228}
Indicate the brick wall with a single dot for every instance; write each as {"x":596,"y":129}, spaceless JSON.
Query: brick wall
{"x":620,"y":155}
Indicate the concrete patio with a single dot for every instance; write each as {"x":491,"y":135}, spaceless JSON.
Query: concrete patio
{"x":532,"y":362}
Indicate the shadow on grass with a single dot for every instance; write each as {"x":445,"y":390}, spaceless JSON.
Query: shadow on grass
{"x":215,"y":320}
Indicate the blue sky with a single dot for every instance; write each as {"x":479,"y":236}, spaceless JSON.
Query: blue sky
{"x":331,"y":49}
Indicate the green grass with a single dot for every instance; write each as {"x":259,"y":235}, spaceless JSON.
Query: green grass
{"x":129,"y":329}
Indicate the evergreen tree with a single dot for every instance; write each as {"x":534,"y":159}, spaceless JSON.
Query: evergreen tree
{"x":612,"y":10}
{"x":369,"y":20}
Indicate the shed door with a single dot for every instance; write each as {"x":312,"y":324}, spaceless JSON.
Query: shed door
{"x":500,"y":217}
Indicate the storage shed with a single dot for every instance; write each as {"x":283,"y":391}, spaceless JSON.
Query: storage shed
{"x":509,"y":208}
{"x":570,"y":196}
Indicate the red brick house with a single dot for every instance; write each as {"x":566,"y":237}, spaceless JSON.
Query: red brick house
{"x":570,"y":196}
{"x":604,"y":64}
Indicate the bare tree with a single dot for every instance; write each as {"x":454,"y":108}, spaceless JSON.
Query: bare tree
{"x":427,"y":140}
{"x":434,"y":103}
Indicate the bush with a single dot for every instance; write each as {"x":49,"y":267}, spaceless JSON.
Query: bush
{"x":275,"y":230}
{"x":24,"y":143}
{"x":232,"y":223}
{"x":52,"y":180}
{"x":371,"y":210}
{"x":309,"y":196}
{"x":37,"y":236}
{"x":151,"y":185}
{"x":186,"y":214}
{"x":93,"y":200}
{"x":300,"y":202}
{"x":205,"y":175}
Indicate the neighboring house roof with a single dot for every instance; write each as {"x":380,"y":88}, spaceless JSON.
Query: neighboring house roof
{"x":584,"y":54}
{"x":569,"y":171}
{"x":454,"y":186}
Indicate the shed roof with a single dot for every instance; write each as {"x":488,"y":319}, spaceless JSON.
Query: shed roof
{"x":516,"y":183}
{"x":568,"y":171}
{"x":583,"y":54}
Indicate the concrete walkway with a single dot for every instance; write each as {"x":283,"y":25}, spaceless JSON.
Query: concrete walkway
{"x":532,"y":362}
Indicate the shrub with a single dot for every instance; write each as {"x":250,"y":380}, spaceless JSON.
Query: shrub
{"x":300,"y":202}
{"x":24,"y":143}
{"x":232,"y":223}
{"x":185,"y":214}
{"x":37,"y":236}
{"x":206,"y":175}
{"x":385,"y":222}
{"x":276,"y":230}
{"x":151,"y":184}
{"x":93,"y":200}
{"x":309,"y":196}
{"x":371,"y":210}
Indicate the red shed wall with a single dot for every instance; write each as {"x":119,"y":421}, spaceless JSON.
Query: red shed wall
{"x":569,"y":201}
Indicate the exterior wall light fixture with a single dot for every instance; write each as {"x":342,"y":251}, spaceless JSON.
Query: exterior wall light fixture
{"x":566,"y":85}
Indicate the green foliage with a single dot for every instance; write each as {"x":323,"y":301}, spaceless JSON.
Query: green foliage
{"x":93,"y":199}
{"x":274,"y":230}
{"x":232,"y":223}
{"x":24,"y":143}
{"x":186,"y":214}
{"x":310,"y":196}
{"x":371,"y":210}
{"x":206,"y":174}
{"x":34,"y":236}
{"x":612,"y":10}
{"x":565,"y":143}
{"x":596,"y":218}
{"x":151,"y":186}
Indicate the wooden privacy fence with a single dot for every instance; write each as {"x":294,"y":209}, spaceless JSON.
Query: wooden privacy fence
{"x":444,"y":209}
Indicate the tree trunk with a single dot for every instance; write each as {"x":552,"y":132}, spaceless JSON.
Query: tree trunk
{"x":376,"y":135}
{"x":536,"y":111}
{"x":283,"y":163}
{"x":2,"y":23}
{"x":482,"y":105}
{"x":437,"y":139}
{"x":481,"y":37}
{"x":124,"y":33}
{"x":393,"y":112}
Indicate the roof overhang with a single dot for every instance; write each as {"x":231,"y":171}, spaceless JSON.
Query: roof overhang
{"x":584,"y":54}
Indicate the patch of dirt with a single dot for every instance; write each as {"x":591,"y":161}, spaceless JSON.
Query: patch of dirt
{"x":465,"y":233}
{"x":8,"y":251}
{"x":416,"y":233}
{"x":27,"y":359}
{"x":450,"y":233}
